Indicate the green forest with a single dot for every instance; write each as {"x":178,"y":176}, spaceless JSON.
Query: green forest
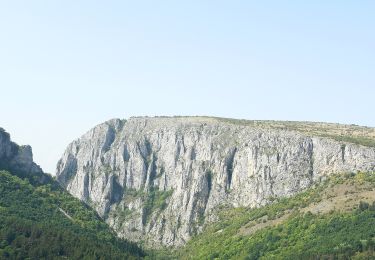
{"x":45,"y":222}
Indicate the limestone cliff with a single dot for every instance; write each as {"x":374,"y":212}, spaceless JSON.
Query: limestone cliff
{"x":18,"y":159}
{"x":159,"y":180}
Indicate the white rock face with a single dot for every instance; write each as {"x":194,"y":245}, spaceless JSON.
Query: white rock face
{"x":159,"y":179}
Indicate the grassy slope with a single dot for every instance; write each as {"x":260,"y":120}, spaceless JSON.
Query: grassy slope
{"x":344,"y":133}
{"x":324,"y":221}
{"x":361,"y":135}
{"x":45,"y":222}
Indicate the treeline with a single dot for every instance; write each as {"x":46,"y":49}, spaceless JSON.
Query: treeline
{"x":24,"y":239}
{"x":33,"y":226}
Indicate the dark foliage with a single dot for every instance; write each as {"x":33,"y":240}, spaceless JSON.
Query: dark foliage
{"x":45,"y":222}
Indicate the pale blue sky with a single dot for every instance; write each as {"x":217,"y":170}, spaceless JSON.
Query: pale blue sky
{"x":67,"y":65}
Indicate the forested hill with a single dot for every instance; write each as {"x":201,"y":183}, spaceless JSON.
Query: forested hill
{"x":40,"y":220}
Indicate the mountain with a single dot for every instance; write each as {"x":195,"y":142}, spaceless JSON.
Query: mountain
{"x":40,"y":220}
{"x":162,"y":181}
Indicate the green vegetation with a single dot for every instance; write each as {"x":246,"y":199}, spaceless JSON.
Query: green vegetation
{"x":286,"y":229}
{"x":343,"y":133}
{"x":45,"y":222}
{"x":304,"y":236}
{"x":155,"y":200}
{"x":361,"y":140}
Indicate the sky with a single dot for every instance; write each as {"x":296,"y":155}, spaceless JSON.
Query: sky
{"x":67,"y":65}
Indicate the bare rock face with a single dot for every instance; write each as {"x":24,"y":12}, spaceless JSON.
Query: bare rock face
{"x":17,"y":158}
{"x":159,"y":180}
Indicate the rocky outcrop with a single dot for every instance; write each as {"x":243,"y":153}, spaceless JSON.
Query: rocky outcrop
{"x":18,"y":159}
{"x":161,"y":179}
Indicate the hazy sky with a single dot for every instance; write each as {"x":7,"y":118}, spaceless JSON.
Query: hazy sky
{"x":66,"y":66}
